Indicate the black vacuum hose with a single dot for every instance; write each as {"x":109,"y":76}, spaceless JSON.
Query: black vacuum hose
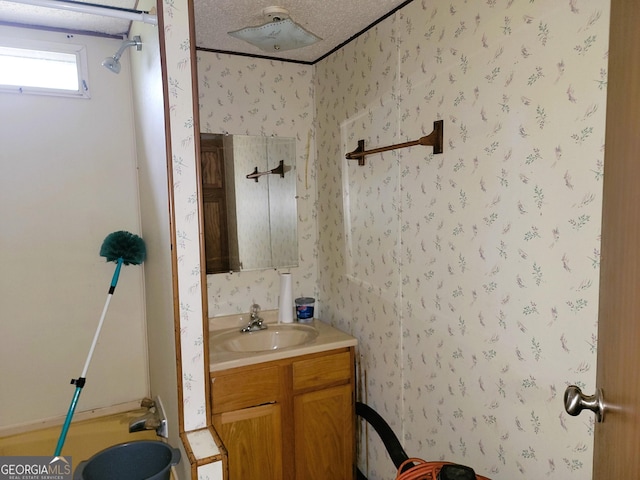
{"x":389,"y":439}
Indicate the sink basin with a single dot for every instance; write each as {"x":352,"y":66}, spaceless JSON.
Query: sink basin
{"x":276,"y":337}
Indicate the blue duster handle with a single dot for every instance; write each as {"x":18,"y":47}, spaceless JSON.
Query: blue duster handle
{"x":121,"y":247}
{"x":67,"y":421}
{"x":116,"y":275}
{"x":81,"y":380}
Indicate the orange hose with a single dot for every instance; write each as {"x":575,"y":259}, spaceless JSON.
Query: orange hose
{"x":423,"y":470}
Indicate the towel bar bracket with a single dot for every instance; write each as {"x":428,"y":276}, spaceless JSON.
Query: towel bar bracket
{"x":434,"y":139}
{"x":279,"y":170}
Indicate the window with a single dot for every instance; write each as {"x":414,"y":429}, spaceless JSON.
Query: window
{"x":43,"y":68}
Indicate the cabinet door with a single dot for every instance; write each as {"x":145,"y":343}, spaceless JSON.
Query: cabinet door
{"x":253,"y":439}
{"x":324,"y":434}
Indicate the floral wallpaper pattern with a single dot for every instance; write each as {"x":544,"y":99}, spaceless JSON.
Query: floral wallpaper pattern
{"x":470,"y":277}
{"x":246,"y":96}
{"x":191,"y":348}
{"x":183,"y":165}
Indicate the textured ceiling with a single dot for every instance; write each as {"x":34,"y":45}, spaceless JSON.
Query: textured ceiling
{"x":335,"y":21}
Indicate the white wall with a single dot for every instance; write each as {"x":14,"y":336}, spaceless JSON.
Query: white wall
{"x":149,"y":106}
{"x":69,"y":179}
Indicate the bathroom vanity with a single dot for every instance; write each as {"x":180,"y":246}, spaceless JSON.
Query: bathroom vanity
{"x":287,"y":413}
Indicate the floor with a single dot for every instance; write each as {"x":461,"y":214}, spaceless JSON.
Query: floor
{"x":84,"y":438}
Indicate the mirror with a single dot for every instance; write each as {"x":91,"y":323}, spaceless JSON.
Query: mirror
{"x":248,"y":202}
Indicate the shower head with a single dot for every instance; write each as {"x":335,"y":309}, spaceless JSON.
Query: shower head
{"x":113,"y":63}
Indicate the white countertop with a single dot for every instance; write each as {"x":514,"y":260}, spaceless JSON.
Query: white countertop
{"x":329,"y":338}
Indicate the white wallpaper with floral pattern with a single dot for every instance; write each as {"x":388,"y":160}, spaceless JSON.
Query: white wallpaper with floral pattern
{"x":190,"y":348}
{"x":470,"y":278}
{"x":180,"y":71}
{"x":246,"y":96}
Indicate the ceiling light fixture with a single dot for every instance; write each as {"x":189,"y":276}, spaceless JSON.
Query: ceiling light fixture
{"x":278,"y":34}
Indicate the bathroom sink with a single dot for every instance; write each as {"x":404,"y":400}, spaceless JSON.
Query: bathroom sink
{"x":275,"y":337}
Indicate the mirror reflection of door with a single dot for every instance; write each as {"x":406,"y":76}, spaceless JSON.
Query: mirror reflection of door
{"x":249,"y":202}
{"x":214,"y":203}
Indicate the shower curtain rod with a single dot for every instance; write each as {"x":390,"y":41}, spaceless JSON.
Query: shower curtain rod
{"x":95,"y":9}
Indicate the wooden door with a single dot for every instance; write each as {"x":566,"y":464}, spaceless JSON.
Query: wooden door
{"x":617,"y":438}
{"x":324,"y":434}
{"x":214,"y":204}
{"x":253,"y":439}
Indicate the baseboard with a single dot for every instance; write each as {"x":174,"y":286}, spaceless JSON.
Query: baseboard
{"x":78,"y":416}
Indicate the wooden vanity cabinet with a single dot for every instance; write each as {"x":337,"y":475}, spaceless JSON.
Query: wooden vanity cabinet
{"x":247,"y":414}
{"x":323,"y":415}
{"x":253,"y":439}
{"x":288,"y":419}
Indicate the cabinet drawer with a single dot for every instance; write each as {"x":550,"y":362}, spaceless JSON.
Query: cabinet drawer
{"x":255,"y":386}
{"x":320,"y":371}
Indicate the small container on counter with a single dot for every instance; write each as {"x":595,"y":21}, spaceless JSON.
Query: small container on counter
{"x":304,"y":309}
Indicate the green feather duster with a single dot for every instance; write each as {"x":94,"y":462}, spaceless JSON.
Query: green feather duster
{"x":124,"y":245}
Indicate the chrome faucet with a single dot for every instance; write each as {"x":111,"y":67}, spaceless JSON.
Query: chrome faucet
{"x":154,"y":419}
{"x":255,"y":321}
